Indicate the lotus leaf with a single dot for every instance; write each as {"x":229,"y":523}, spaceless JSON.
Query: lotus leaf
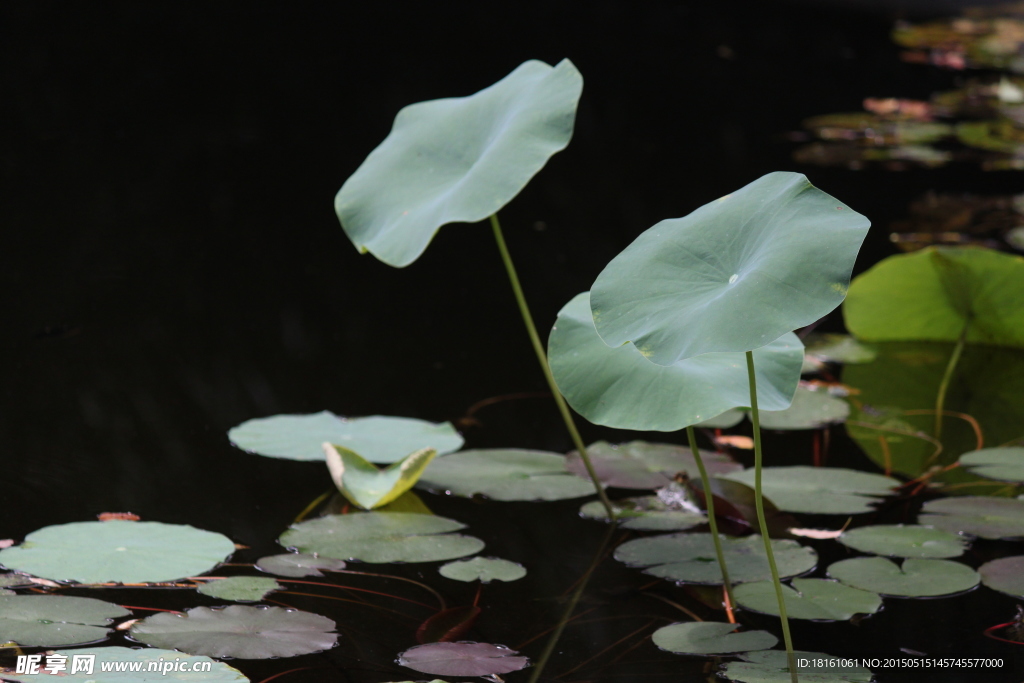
{"x":898,"y":540}
{"x":457,"y":160}
{"x":729,"y":418}
{"x":814,"y":599}
{"x":839,"y":348}
{"x":484,"y":569}
{"x":1002,"y":464}
{"x":298,"y":564}
{"x":1005,"y":575}
{"x":505,"y":474}
{"x":52,"y":620}
{"x":915,"y":579}
{"x":240,"y":588}
{"x":644,"y":465}
{"x":710,"y":638}
{"x":645,"y":513}
{"x":983,"y":516}
{"x":382,"y":537}
{"x":810,"y":410}
{"x":369,"y":487}
{"x":462,"y":659}
{"x":191,"y":669}
{"x":819,"y":490}
{"x":770,"y":666}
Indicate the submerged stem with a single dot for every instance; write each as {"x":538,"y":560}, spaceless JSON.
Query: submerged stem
{"x":538,"y":348}
{"x":759,"y":503}
{"x":940,"y":398}
{"x":709,"y":503}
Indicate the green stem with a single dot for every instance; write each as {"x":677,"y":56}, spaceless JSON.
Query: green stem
{"x":709,"y":501}
{"x":940,"y":398}
{"x":759,"y":503}
{"x":538,"y":348}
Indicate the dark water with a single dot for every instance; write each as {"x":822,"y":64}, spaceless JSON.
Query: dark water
{"x":170,"y":266}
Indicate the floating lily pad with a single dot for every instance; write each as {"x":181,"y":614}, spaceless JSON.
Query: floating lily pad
{"x":505,"y":474}
{"x":915,"y":579}
{"x":457,"y":160}
{"x":690,"y":558}
{"x":645,"y":513}
{"x":839,"y":348}
{"x":369,"y":487}
{"x":128,"y":552}
{"x":52,"y":620}
{"x":238,"y":631}
{"x":299,"y":564}
{"x":377,"y":438}
{"x":810,"y":410}
{"x":819,"y":490}
{"x":382,"y":537}
{"x":484,"y":569}
{"x":1001,"y":464}
{"x":240,"y":588}
{"x":898,"y":540}
{"x":191,"y":669}
{"x":463,"y":659}
{"x":814,"y":599}
{"x":771,"y":666}
{"x":983,"y":516}
{"x":643,"y":465}
{"x":1005,"y":575}
{"x":710,"y":638}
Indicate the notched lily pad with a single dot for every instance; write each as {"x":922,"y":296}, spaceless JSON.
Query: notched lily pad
{"x":240,"y":588}
{"x":810,"y":410}
{"x":645,"y":513}
{"x":915,"y":579}
{"x":643,"y":465}
{"x":505,"y":474}
{"x":192,"y":669}
{"x":819,"y":490}
{"x":898,"y":540}
{"x":1001,"y":464}
{"x":982,"y":516}
{"x":771,"y":666}
{"x":299,"y":564}
{"x":52,"y":620}
{"x":484,"y":569}
{"x":813,"y":599}
{"x":710,"y":638}
{"x":1005,"y":575}
{"x":463,"y":659}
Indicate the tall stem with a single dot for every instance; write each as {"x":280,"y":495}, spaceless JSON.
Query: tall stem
{"x":709,"y":501}
{"x":538,"y":348}
{"x":940,"y":398}
{"x":759,"y":503}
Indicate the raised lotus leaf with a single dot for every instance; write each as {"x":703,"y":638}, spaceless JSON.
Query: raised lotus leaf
{"x":369,"y":487}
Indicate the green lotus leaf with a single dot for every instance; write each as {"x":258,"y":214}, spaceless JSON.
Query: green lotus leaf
{"x":690,"y":558}
{"x":483,"y":569}
{"x":915,"y":579}
{"x":1005,"y":575}
{"x":457,"y":160}
{"x":734,"y":275}
{"x":645,"y":513}
{"x":462,"y":659}
{"x":815,"y":599}
{"x":618,"y":387}
{"x":819,"y":490}
{"x":771,"y":666}
{"x":710,"y":638}
{"x":930,"y":295}
{"x":898,"y":540}
{"x":839,"y":348}
{"x":505,"y":474}
{"x":378,"y":438}
{"x":298,"y":564}
{"x":240,"y":588}
{"x":382,"y":537}
{"x":982,"y":516}
{"x":729,"y":418}
{"x":645,"y":465}
{"x":369,"y":487}
{"x":127,"y":552}
{"x":190,"y":669}
{"x":810,"y":410}
{"x":238,"y":631}
{"x":52,"y":620}
{"x":1001,"y":464}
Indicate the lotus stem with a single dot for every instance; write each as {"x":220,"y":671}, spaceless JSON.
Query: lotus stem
{"x":709,"y":503}
{"x":763,"y":524}
{"x":542,"y":357}
{"x":940,"y":398}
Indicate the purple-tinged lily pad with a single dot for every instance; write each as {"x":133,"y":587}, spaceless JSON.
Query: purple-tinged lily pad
{"x":463,"y":659}
{"x":298,"y":564}
{"x":1005,"y":575}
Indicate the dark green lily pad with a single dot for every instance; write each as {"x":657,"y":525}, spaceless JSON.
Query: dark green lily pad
{"x":819,"y":490}
{"x":814,"y":599}
{"x":299,"y":564}
{"x":240,"y":588}
{"x":238,"y":631}
{"x":52,"y":620}
{"x":645,"y":513}
{"x":771,"y":666}
{"x":710,"y":638}
{"x":690,"y":558}
{"x":898,"y":540}
{"x":128,"y":552}
{"x":463,"y":659}
{"x":810,"y":410}
{"x":483,"y":569}
{"x":505,"y":474}
{"x":983,"y":516}
{"x":1005,"y":575}
{"x":1001,"y":464}
{"x":643,"y":465}
{"x":192,"y":669}
{"x":839,"y":348}
{"x":915,"y":579}
{"x":382,"y":537}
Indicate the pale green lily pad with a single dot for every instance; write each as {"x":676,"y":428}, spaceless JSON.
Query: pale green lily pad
{"x":377,"y":438}
{"x":483,"y":569}
{"x":127,"y":552}
{"x":644,"y":465}
{"x":819,"y":490}
{"x":505,"y":474}
{"x":1001,"y":464}
{"x":734,"y":275}
{"x":983,"y":516}
{"x":240,"y":588}
{"x":814,"y":599}
{"x":191,"y":669}
{"x":618,"y":387}
{"x":898,"y":540}
{"x":382,"y":537}
{"x":839,"y":348}
{"x":690,"y":558}
{"x":457,"y":160}
{"x":710,"y":638}
{"x":238,"y":631}
{"x":915,"y":579}
{"x":369,"y":487}
{"x":645,"y":513}
{"x":299,"y":564}
{"x":810,"y":410}
{"x":1005,"y":575}
{"x":771,"y":666}
{"x":52,"y":620}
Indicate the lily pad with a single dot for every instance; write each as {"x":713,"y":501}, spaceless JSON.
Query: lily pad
{"x":191,"y":669}
{"x":369,"y":487}
{"x":618,"y":387}
{"x":645,"y":513}
{"x":128,"y":552}
{"x":839,"y":348}
{"x":382,"y":537}
{"x":462,"y":659}
{"x":505,"y":474}
{"x":734,"y":275}
{"x":299,"y":564}
{"x":810,"y":410}
{"x":771,"y":666}
{"x":457,"y":160}
{"x":240,"y":588}
{"x":377,"y":438}
{"x":690,"y":558}
{"x":1005,"y":575}
{"x":643,"y":465}
{"x":982,"y":516}
{"x":819,"y":490}
{"x":814,"y":599}
{"x":710,"y":638}
{"x":484,"y":569}
{"x":238,"y":631}
{"x":52,"y":620}
{"x":1001,"y":464}
{"x":915,"y":579}
{"x":898,"y":540}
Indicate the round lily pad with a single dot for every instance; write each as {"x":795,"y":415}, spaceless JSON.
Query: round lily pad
{"x":819,"y":490}
{"x":643,"y":465}
{"x":1005,"y":575}
{"x":240,"y":588}
{"x":382,"y":537}
{"x":127,"y":552}
{"x":710,"y":638}
{"x":1001,"y":464}
{"x":238,"y":631}
{"x":983,"y":516}
{"x":484,"y":569}
{"x":898,"y":540}
{"x":690,"y":558}
{"x":814,"y":599}
{"x":52,"y":620}
{"x":771,"y":666}
{"x":810,"y":410}
{"x":463,"y":659}
{"x":190,"y":669}
{"x":298,"y":564}
{"x":504,"y":474}
{"x":915,"y":579}
{"x":377,"y":438}
{"x":645,"y":513}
